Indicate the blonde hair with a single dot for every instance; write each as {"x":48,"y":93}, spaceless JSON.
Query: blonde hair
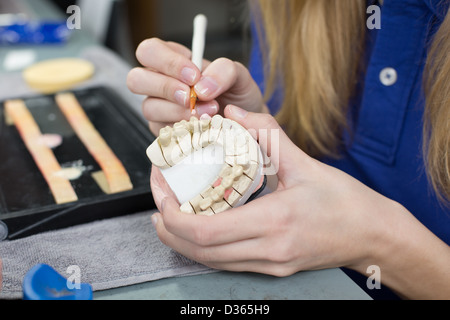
{"x":436,"y":129}
{"x":318,"y":45}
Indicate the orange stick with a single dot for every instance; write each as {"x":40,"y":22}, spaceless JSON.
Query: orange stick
{"x":193,"y":100}
{"x":43,"y":156}
{"x":115,"y":173}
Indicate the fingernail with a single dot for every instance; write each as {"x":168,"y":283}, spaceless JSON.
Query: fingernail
{"x":238,"y":112}
{"x":154,"y":220}
{"x":188,"y":75}
{"x":206,"y":86}
{"x":181,"y":97}
{"x":210,"y":109}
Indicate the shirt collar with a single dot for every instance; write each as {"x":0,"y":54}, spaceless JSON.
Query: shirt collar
{"x":438,"y":7}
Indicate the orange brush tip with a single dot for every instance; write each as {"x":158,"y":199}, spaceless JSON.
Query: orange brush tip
{"x":193,"y":100}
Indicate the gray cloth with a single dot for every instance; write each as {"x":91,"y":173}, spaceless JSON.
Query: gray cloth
{"x":110,"y":253}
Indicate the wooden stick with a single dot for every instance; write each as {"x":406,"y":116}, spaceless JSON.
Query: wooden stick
{"x":193,"y":101}
{"x":43,"y":156}
{"x":198,"y":48}
{"x":116,"y":176}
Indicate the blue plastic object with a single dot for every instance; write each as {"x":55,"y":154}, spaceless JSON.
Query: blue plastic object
{"x":42,"y":282}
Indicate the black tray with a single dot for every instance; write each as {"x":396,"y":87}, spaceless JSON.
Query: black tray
{"x":26,"y":204}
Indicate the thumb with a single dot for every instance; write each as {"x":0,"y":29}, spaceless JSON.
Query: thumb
{"x":273,"y":141}
{"x":263,"y":127}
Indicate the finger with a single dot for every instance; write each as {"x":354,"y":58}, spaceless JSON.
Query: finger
{"x":185,"y":51}
{"x":285,"y":156}
{"x":146,"y":82}
{"x":216,"y":79}
{"x":160,"y":188}
{"x":179,"y":48}
{"x":227,"y":76}
{"x":233,"y":225}
{"x":248,"y":255}
{"x":263,"y":127}
{"x":160,"y":110}
{"x":210,"y":108}
{"x":256,"y":266}
{"x":235,"y":251}
{"x":158,"y":55}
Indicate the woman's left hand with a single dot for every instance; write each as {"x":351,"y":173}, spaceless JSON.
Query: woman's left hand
{"x":317,"y":217}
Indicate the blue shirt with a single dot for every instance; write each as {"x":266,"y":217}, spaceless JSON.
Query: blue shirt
{"x":385,"y":152}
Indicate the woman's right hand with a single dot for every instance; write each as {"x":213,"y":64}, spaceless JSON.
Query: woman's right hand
{"x":167,"y":73}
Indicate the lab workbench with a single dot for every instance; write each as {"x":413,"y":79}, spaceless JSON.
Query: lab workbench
{"x":324,"y":284}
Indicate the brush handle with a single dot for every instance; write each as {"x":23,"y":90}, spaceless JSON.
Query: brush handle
{"x":198,"y":40}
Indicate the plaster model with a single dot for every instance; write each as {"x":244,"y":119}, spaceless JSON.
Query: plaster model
{"x":211,"y":164}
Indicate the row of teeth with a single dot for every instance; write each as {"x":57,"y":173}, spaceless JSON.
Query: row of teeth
{"x":224,"y":193}
{"x":240,"y":153}
{"x":174,"y":144}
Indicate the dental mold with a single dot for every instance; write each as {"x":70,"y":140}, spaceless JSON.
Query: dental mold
{"x":211,"y":164}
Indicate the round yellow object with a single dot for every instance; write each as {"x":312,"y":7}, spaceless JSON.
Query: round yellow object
{"x":59,"y":74}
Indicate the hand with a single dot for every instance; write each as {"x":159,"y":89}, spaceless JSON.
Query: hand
{"x":168,"y":73}
{"x":318,"y":217}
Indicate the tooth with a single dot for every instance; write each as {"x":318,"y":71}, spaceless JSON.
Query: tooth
{"x":218,"y":193}
{"x":187,"y":208}
{"x":216,"y":127}
{"x":206,"y":203}
{"x":165,"y":136}
{"x":196,"y":132}
{"x":204,"y":138}
{"x":172,"y":152}
{"x":251,"y":170}
{"x":241,"y":150}
{"x":227,"y":181}
{"x":241,"y":144}
{"x":227,"y":124}
{"x":228,"y":142}
{"x":192,"y":123}
{"x":240,"y":140}
{"x":242,"y":184}
{"x":207,"y":212}
{"x":229,"y":149}
{"x":154,"y":153}
{"x":185,"y":144}
{"x":226,"y":170}
{"x":205,"y":116}
{"x":177,"y":125}
{"x":237,"y":128}
{"x":232,"y":197}
{"x":185,"y":124}
{"x":253,"y":150}
{"x":220,"y":138}
{"x":204,"y":125}
{"x":195,"y":203}
{"x":220,"y":206}
{"x":237,"y":171}
{"x":183,"y":137}
{"x":241,"y":160}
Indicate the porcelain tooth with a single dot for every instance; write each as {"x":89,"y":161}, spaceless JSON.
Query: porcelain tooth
{"x":165,"y":136}
{"x":205,"y":203}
